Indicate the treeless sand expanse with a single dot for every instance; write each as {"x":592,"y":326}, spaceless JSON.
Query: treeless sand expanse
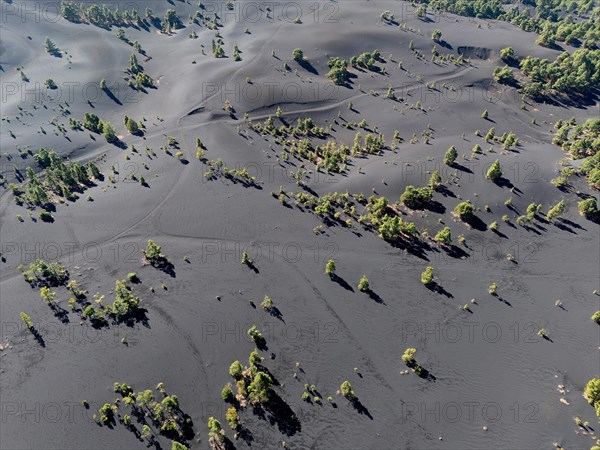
{"x":221,"y":166}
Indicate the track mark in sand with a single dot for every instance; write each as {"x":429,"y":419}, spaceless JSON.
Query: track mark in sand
{"x":169,"y":195}
{"x":243,"y":67}
{"x":188,"y":340}
{"x":320,"y":296}
{"x":326,"y":105}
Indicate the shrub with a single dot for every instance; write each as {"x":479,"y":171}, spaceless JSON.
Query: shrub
{"x":494,"y":173}
{"x":444,"y":237}
{"x":171,"y":20}
{"x":107,"y":413}
{"x":50,"y":84}
{"x":450,"y":156}
{"x":427,"y":276}
{"x":363,"y":285}
{"x":131,"y":125}
{"x":44,"y":274}
{"x":26,"y":320}
{"x":235,"y":369}
{"x":92,"y":122}
{"x":409,"y":355}
{"x":125,"y":302}
{"x":507,"y":54}
{"x":346,"y":389}
{"x":109,"y":132}
{"x":267,"y":303}
{"x":152,"y":252}
{"x":298,"y":55}
{"x":464,"y":210}
{"x":259,"y":388}
{"x":435,"y":180}
{"x":227,"y":393}
{"x":46,"y":216}
{"x":246,"y":258}
{"x":233,"y":418}
{"x":256,"y":335}
{"x":387,"y":16}
{"x":133,"y":277}
{"x":254,"y":359}
{"x":338,"y":71}
{"x":504,"y":75}
{"x":50,"y":47}
{"x":330,"y":267}
{"x":588,"y":208}
{"x":414,"y":197}
{"x":47,"y":294}
{"x":545,"y":40}
{"x":596,"y":317}
{"x":556,"y":211}
{"x":592,"y":394}
{"x":215,"y":432}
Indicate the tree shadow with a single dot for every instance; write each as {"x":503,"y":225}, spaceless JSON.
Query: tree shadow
{"x":506,"y":183}
{"x":460,"y":167}
{"x":305,"y":64}
{"x":476,"y":223}
{"x":280,"y":414}
{"x":413,"y":247}
{"x":163,"y":264}
{"x":251,"y":265}
{"x":245,"y":435}
{"x":455,"y":251}
{"x":137,"y":316}
{"x":500,"y":234}
{"x":445,"y":191}
{"x":438,"y":289}
{"x":506,"y":302}
{"x":275,"y":312}
{"x":445,"y":44}
{"x":422,"y":372}
{"x":37,"y":336}
{"x":120,"y":144}
{"x":261,"y":344}
{"x":564,"y":227}
{"x":110,"y":95}
{"x":339,"y":280}
{"x":359,"y":407}
{"x":572,"y":224}
{"x":373,"y":296}
{"x":434,"y":206}
{"x":309,"y":189}
{"x":60,"y":313}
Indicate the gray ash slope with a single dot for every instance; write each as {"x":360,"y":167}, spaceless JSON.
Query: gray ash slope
{"x":490,"y":367}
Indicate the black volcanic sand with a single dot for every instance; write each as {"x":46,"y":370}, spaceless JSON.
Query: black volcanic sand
{"x":487,"y":367}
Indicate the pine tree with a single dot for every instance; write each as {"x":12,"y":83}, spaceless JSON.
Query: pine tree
{"x":330,"y":267}
{"x":50,"y":47}
{"x":450,"y":156}
{"x":363,"y":285}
